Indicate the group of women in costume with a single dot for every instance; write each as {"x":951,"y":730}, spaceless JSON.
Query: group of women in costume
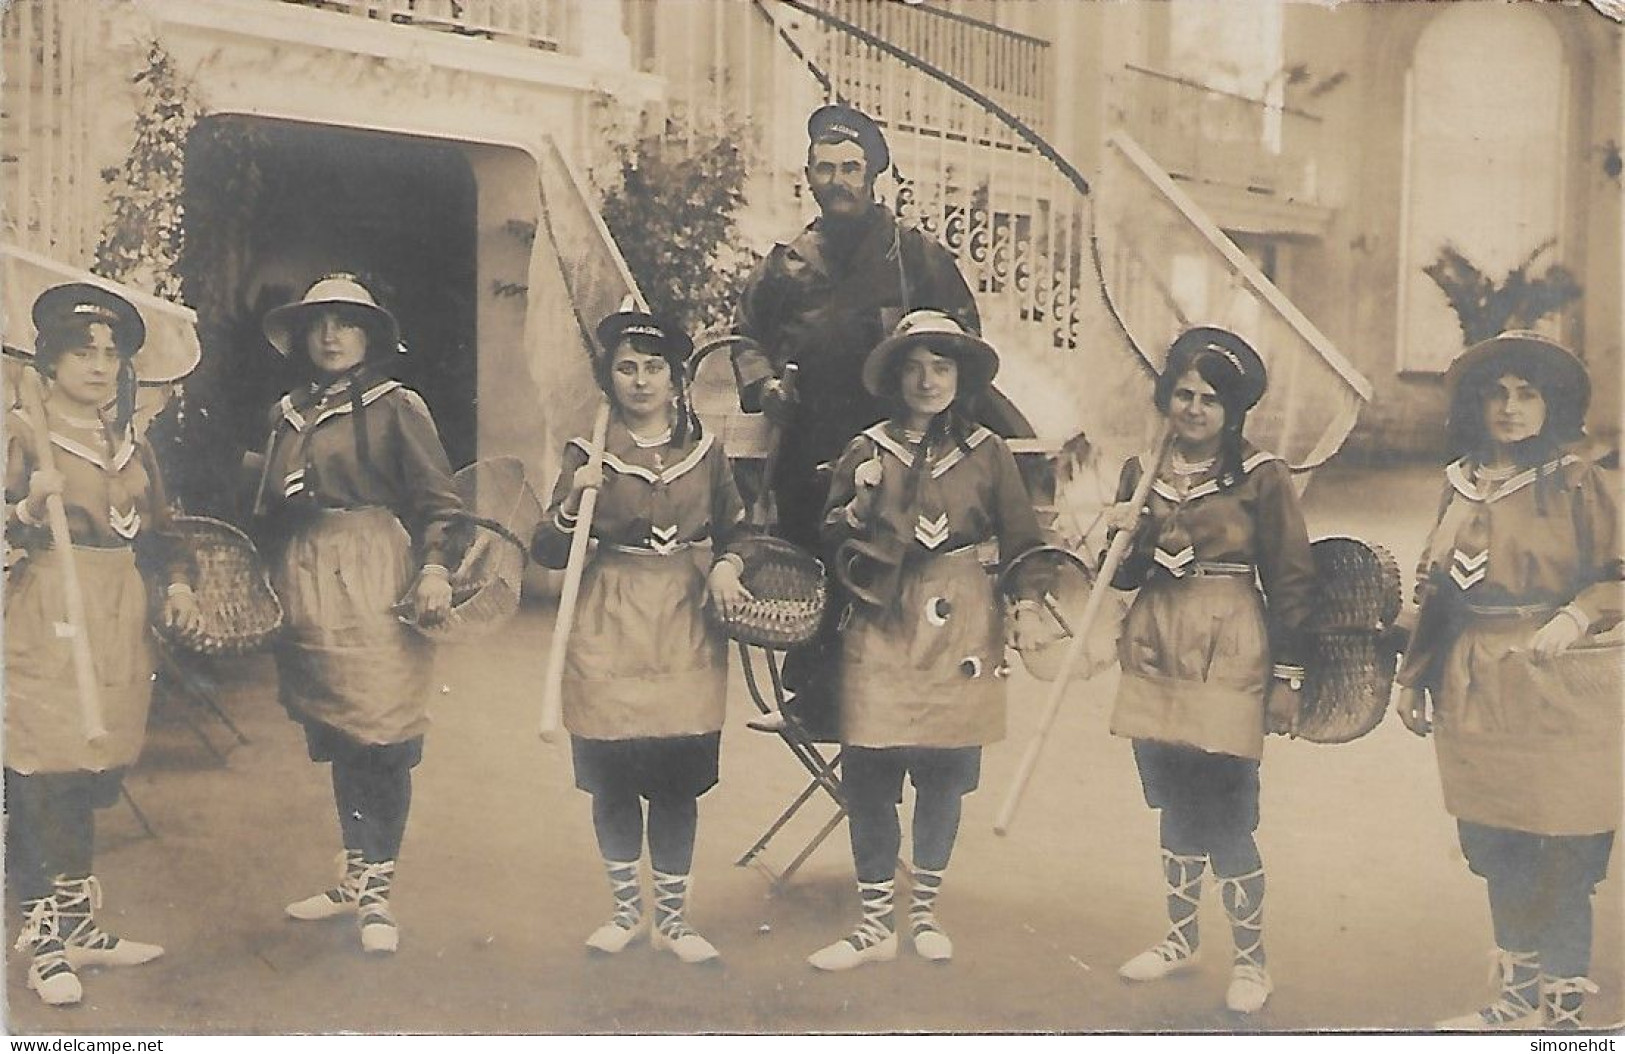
{"x":354,"y":499}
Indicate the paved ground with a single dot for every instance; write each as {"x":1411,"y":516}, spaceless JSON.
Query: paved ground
{"x":1373,"y":920}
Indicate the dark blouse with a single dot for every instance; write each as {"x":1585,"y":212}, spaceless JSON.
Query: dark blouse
{"x":1255,"y":521}
{"x":113,"y":493}
{"x":657,"y":497}
{"x":970,"y":494}
{"x":315,"y":459}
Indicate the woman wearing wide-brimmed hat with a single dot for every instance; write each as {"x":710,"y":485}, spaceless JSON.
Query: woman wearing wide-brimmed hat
{"x":1210,"y":648}
{"x":913,"y":498}
{"x":1522,"y":565}
{"x":56,"y":774}
{"x":355,"y":495}
{"x":645,"y":677}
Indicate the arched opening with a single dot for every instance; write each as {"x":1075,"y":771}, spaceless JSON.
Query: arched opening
{"x":273,"y":205}
{"x":1485,"y":122}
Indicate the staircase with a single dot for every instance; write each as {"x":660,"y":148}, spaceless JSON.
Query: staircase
{"x":1081,"y":287}
{"x":1065,"y":271}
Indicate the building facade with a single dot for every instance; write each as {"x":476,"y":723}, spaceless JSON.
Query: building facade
{"x":1106,"y":172}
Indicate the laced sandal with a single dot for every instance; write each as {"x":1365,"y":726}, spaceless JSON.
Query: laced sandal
{"x":627,"y":922}
{"x":930,"y":942}
{"x":1562,"y":1001}
{"x":873,"y":941}
{"x":1250,"y":983}
{"x":671,"y":933}
{"x":1518,"y":1003}
{"x":340,"y":900}
{"x":379,"y":933}
{"x":50,"y":973}
{"x":77,"y":901}
{"x":1178,"y":950}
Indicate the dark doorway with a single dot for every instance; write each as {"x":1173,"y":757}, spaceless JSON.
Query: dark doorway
{"x":274,"y":205}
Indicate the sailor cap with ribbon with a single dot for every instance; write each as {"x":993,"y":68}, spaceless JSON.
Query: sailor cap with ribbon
{"x":844,"y":123}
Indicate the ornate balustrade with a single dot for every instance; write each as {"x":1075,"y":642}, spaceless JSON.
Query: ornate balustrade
{"x":531,"y":23}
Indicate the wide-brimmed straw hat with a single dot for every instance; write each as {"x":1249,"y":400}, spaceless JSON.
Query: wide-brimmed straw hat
{"x":81,"y":301}
{"x":283,"y":324}
{"x":942,"y":334}
{"x":1527,"y":354}
{"x":1251,"y":376}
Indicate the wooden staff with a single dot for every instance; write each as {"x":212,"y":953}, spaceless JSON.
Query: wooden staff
{"x":1115,"y":553}
{"x":553,"y":686}
{"x":84,"y":667}
{"x":764,"y":513}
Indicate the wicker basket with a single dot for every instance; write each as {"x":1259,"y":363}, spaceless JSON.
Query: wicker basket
{"x":486,"y":551}
{"x":788,"y":588}
{"x":1350,"y":668}
{"x":241,"y":613}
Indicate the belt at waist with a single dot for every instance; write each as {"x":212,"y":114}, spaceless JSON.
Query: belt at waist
{"x":318,"y":519}
{"x":47,"y":545}
{"x":1510,"y":610}
{"x":51,"y":555}
{"x":645,"y":550}
{"x":342,"y":510}
{"x":926,"y":555}
{"x":1209,"y":569}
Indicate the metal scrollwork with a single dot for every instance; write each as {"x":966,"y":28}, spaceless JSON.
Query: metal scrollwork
{"x":953,"y":234}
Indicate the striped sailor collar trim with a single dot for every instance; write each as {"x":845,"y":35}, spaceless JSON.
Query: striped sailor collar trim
{"x":901,"y":451}
{"x":1207,"y":487}
{"x":649,"y":475}
{"x":300,"y":423}
{"x":1461,"y":479}
{"x":122,"y":453}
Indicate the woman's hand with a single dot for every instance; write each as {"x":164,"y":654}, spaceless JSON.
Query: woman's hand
{"x":1556,"y":637}
{"x":727,"y":593}
{"x":1411,"y":704}
{"x":778,"y":402}
{"x":1283,"y":703}
{"x":1122,"y":516}
{"x":42,"y":484}
{"x":431,"y":600}
{"x":866,"y":482}
{"x":181,"y":611}
{"x":586,"y":477}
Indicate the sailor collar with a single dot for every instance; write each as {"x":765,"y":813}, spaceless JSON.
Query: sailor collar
{"x":1207,"y":487}
{"x":328,"y":408}
{"x":881,"y":438}
{"x":123,"y":449}
{"x":1461,"y":479}
{"x":672,"y":472}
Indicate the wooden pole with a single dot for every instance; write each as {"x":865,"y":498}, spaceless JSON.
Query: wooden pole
{"x":1115,"y":554}
{"x":553,"y":686}
{"x":84,"y":667}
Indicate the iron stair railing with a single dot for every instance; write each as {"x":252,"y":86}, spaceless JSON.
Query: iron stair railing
{"x":1017,"y":215}
{"x":1081,"y":291}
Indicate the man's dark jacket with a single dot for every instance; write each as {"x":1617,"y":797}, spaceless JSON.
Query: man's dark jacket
{"x":824,"y":306}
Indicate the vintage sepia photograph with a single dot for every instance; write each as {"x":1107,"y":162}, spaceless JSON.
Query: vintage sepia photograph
{"x":789,"y":517}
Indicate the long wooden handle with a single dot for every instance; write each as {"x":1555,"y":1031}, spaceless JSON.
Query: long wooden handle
{"x":763,"y":512}
{"x":553,"y":686}
{"x":84,"y":666}
{"x":1115,"y":554}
